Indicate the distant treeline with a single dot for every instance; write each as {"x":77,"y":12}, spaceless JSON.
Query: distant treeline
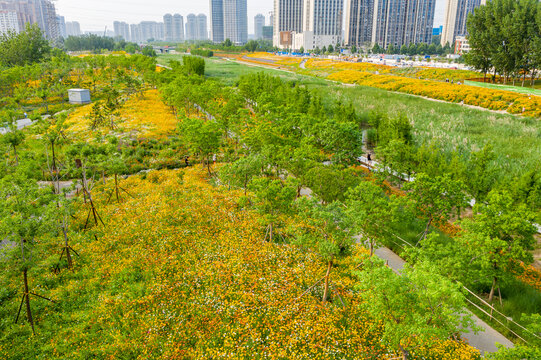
{"x":95,"y":43}
{"x":505,"y":40}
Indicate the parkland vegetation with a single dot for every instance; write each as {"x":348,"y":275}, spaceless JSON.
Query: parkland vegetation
{"x":184,"y":214}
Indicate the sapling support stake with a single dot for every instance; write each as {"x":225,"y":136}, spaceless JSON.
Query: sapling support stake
{"x":26,"y":301}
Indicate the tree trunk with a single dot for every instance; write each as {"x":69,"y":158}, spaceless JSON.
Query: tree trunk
{"x":426,"y":231}
{"x":16,"y":155}
{"x":492,"y":290}
{"x":66,"y":245}
{"x":27,"y":300}
{"x":405,"y":353}
{"x":116,"y":188}
{"x":327,"y":276}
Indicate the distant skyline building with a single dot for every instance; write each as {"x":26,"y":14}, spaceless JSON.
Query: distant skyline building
{"x":173,"y":27}
{"x":217,"y":21}
{"x":322,"y":25}
{"x":389,"y":22}
{"x":73,"y":28}
{"x":288,"y":19}
{"x":178,"y":27}
{"x":168,"y":27}
{"x":8,"y":22}
{"x":135,"y":33}
{"x":191,"y":27}
{"x":40,"y":12}
{"x":259,"y":23}
{"x":359,"y":22}
{"x":62,"y":26}
{"x":455,"y":20}
{"x":268,"y":32}
{"x":236,"y":21}
{"x":122,"y":29}
{"x":202,"y":27}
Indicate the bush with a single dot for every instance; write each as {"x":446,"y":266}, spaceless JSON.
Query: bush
{"x":194,"y":65}
{"x":203,"y":53}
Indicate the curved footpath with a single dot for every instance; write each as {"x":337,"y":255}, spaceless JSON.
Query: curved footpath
{"x":485,"y":341}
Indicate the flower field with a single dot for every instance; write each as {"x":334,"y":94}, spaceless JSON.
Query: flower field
{"x":415,"y":72}
{"x":140,"y":117}
{"x":181,"y":271}
{"x":513,"y":103}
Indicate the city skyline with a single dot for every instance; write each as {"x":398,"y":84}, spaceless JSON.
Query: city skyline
{"x":95,"y":15}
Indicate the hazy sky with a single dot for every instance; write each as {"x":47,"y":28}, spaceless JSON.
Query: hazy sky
{"x":96,"y":14}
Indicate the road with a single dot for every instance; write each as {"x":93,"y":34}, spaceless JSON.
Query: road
{"x":21,"y":124}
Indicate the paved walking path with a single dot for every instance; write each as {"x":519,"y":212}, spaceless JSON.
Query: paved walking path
{"x":485,"y":341}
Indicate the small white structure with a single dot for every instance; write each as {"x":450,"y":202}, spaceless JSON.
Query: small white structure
{"x":79,"y":96}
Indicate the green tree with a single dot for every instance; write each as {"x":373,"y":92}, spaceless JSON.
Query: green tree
{"x":499,"y":237}
{"x":194,"y":65}
{"x":227,"y":43}
{"x":331,"y":183}
{"x":241,"y":172}
{"x":435,"y":198}
{"x":26,"y":47}
{"x":330,"y":236}
{"x":202,"y":137}
{"x":149,"y":51}
{"x":415,"y":307}
{"x":251,"y":46}
{"x":272,"y":198}
{"x":372,"y":213}
{"x":13,"y":138}
{"x":480,"y":174}
{"x":24,"y":218}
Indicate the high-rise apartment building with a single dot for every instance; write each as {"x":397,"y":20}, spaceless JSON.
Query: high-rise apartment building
{"x":173,"y":27}
{"x":307,"y":24}
{"x":229,"y":20}
{"x":73,"y":28}
{"x":217,"y":21}
{"x":147,"y":30}
{"x":168,"y":27}
{"x":135,"y":33}
{"x":259,"y":23}
{"x":122,"y":30}
{"x":288,"y":16}
{"x":268,"y":32}
{"x":8,"y":22}
{"x":322,"y":24}
{"x":191,"y":27}
{"x":62,"y":26}
{"x":236,"y":21}
{"x":389,"y":22}
{"x":456,"y":16}
{"x":41,"y":12}
{"x":178,"y":28}
{"x":359,"y":22}
{"x":202,"y":27}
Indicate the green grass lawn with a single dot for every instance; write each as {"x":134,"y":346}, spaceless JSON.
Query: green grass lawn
{"x":518,"y":89}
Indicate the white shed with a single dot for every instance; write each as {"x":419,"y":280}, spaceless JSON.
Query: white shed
{"x":79,"y":96}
